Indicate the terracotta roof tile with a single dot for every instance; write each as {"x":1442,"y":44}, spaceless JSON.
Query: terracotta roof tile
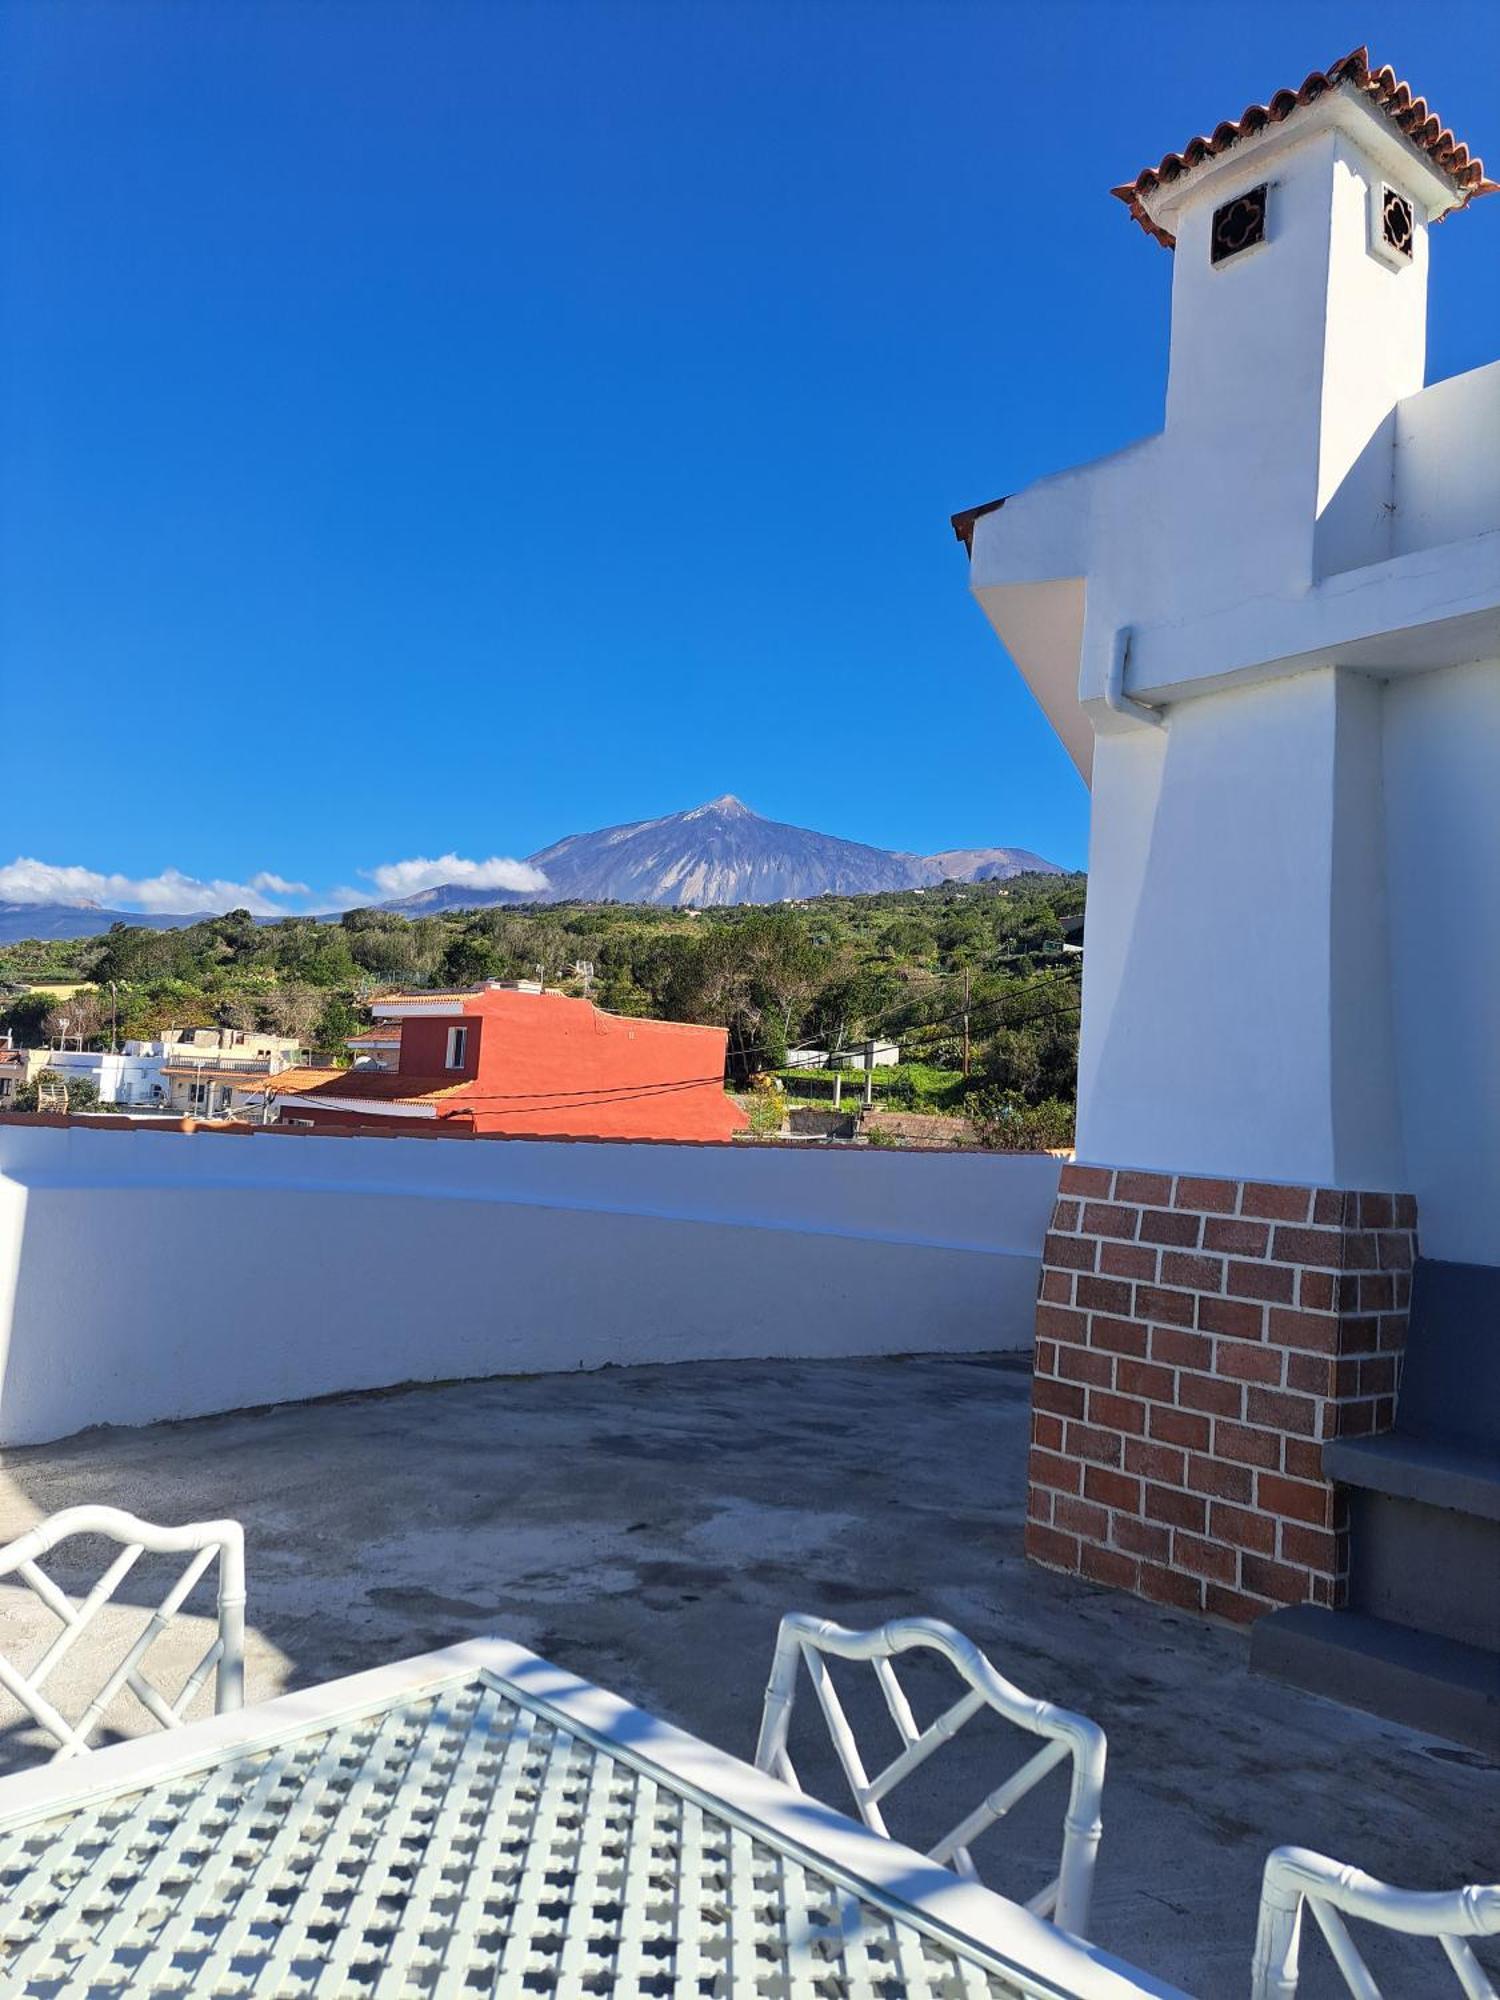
{"x":288,"y":1082}
{"x":1385,"y":92}
{"x":382,"y":1086}
{"x":435,"y":996}
{"x":963,"y":522}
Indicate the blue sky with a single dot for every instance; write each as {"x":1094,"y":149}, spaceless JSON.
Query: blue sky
{"x":432,"y":429}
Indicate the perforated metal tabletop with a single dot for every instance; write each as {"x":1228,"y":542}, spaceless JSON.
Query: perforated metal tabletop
{"x":478,"y":1822}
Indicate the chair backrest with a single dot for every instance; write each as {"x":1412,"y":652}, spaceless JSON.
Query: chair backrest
{"x":1296,"y":1878}
{"x":202,"y":1542}
{"x":803,"y":1640}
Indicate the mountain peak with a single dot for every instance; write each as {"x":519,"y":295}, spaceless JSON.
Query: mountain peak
{"x":725,"y":803}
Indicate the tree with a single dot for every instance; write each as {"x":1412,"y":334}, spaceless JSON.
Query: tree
{"x":76,"y":1019}
{"x":472,"y":958}
{"x":24,"y":1019}
{"x":339,"y":1020}
{"x":294,"y":1011}
{"x":239,"y":1012}
{"x":784,"y":967}
{"x":83,"y":1092}
{"x":1004,"y":1122}
{"x":619,"y":994}
{"x":236,"y":935}
{"x":311,"y":953}
{"x":847,"y":1004}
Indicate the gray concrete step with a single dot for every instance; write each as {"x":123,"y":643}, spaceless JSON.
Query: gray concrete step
{"x":1460,"y":1475}
{"x":1435,"y":1684}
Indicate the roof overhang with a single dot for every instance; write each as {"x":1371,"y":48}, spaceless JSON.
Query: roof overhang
{"x":1372,"y":107}
{"x":963,"y":521}
{"x":372,"y":1107}
{"x":415,"y":1010}
{"x":1041,"y":627}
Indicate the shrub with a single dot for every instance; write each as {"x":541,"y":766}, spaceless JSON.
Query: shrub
{"x":1004,"y":1122}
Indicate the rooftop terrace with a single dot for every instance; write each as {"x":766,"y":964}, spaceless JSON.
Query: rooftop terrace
{"x":646,"y":1527}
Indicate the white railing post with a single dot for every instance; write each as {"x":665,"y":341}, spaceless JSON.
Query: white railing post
{"x":770,"y":1748}
{"x":229,"y":1678}
{"x":1278,"y":1937}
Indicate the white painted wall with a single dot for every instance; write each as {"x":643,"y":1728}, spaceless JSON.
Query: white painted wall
{"x":1447,"y":485}
{"x":1293,"y":966}
{"x":1300,"y":573}
{"x":159,"y":1274}
{"x":1442,"y":789}
{"x":1230,"y":1026}
{"x":119,"y":1078}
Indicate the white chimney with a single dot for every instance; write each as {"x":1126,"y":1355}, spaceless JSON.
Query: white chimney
{"x":1299,"y":320}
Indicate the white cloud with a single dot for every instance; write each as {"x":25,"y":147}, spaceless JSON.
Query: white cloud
{"x":171,"y":893}
{"x":406,"y":878}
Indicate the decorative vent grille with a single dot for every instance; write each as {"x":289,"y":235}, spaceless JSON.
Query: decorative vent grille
{"x":1396,"y":225}
{"x":1239,"y":225}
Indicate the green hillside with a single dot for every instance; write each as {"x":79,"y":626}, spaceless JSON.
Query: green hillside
{"x":826,"y":972}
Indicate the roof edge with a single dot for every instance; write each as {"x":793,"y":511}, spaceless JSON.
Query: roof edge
{"x":963,"y":521}
{"x":1385,"y":93}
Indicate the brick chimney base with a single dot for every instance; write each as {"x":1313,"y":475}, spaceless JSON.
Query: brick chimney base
{"x":1197,"y":1343}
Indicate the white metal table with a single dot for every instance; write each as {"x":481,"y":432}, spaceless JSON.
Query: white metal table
{"x":477,"y":1821}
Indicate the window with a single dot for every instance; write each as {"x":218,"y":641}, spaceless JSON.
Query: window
{"x":458,"y":1048}
{"x":1239,"y":225}
{"x":1396,"y":222}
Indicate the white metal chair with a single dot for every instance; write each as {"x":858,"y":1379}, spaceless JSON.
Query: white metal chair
{"x":1295,"y":1877}
{"x":203,"y":1541}
{"x":805,"y":1639}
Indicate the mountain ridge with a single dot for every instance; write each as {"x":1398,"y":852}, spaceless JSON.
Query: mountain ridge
{"x":721,"y":853}
{"x":709,"y":856}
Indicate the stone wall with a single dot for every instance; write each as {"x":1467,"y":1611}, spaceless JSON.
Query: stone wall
{"x":1198,"y":1341}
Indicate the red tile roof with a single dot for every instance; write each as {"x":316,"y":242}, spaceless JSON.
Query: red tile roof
{"x":434,"y":996}
{"x":383,"y":1086}
{"x":1385,"y":92}
{"x":288,"y":1082}
{"x":963,"y":522}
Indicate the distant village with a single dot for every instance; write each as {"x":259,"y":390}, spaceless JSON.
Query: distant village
{"x":849,"y":1021}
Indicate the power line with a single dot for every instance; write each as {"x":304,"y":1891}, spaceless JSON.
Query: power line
{"x":603,"y":1094}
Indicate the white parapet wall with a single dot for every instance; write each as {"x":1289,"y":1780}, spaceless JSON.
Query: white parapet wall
{"x":160,"y":1274}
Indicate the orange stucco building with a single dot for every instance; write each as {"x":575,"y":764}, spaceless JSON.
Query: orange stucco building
{"x":507,"y":1060}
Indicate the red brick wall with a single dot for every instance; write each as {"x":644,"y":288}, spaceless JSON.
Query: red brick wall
{"x":1197,"y":1342}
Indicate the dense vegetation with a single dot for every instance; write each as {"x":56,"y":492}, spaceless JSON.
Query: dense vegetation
{"x":907,"y":965}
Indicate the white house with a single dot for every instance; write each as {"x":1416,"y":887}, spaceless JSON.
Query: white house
{"x":131,"y":1076}
{"x":1269,"y":637}
{"x":871,"y":1054}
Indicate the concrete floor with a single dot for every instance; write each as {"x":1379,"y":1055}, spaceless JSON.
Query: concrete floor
{"x":646,"y":1527}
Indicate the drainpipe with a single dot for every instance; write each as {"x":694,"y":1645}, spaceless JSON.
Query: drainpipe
{"x":1115,"y":697}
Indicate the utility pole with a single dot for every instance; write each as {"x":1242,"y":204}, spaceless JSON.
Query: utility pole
{"x":966,"y":1020}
